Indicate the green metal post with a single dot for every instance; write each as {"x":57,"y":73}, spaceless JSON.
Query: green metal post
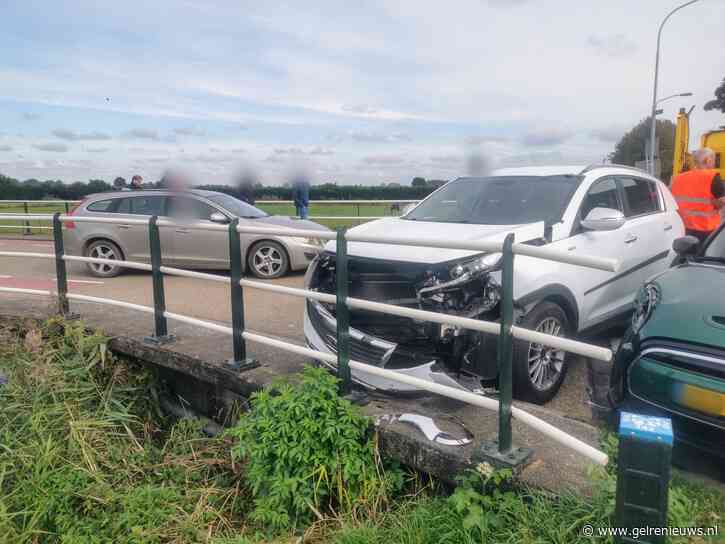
{"x":240,"y":361}
{"x":60,"y":269}
{"x":67,"y":207}
{"x":161,"y":332}
{"x":501,"y":452}
{"x":27,"y":223}
{"x":343,"y":315}
{"x":505,"y":347}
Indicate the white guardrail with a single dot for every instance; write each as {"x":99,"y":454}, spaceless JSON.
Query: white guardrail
{"x":356,"y":203}
{"x":521,"y":333}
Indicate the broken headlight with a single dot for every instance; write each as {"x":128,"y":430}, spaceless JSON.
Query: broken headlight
{"x":475,"y":266}
{"x":644,"y":305}
{"x":491,"y":295}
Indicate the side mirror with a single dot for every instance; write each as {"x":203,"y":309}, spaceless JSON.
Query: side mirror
{"x":685,"y":245}
{"x":603,"y":219}
{"x":218,"y":217}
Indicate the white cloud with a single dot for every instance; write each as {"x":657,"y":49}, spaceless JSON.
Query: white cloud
{"x":546,"y":136}
{"x":65,"y":134}
{"x":608,"y":134}
{"x":189,"y":131}
{"x":613,"y":45}
{"x":56,"y":148}
{"x":420,"y":81}
{"x":141,"y":134}
{"x":384,"y":160}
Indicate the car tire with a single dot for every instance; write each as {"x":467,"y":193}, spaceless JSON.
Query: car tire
{"x":103,"y":249}
{"x":539,"y":371}
{"x":268,"y":260}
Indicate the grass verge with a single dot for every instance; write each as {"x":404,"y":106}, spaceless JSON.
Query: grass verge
{"x":85,"y":457}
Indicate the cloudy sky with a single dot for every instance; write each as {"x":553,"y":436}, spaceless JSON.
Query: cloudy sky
{"x":356,"y":92}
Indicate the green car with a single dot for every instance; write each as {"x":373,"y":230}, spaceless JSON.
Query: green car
{"x":672,"y":359}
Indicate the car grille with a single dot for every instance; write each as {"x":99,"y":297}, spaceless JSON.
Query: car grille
{"x":707,"y":360}
{"x":363,"y":348}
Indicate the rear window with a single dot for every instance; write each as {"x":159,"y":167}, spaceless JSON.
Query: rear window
{"x":142,"y":205}
{"x":101,"y":206}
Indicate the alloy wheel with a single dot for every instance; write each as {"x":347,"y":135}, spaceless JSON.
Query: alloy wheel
{"x":267,"y":261}
{"x":103,"y":251}
{"x":546,"y":363}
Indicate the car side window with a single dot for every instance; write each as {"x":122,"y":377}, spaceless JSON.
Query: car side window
{"x":602,"y":194}
{"x":641,"y":196}
{"x":142,"y":205}
{"x":189,"y":208}
{"x":102,"y":205}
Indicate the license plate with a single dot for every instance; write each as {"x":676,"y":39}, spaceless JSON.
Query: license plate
{"x":703,"y":400}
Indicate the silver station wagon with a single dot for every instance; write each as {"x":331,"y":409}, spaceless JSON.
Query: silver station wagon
{"x":266,"y":256}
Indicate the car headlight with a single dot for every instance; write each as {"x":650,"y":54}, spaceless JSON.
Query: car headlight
{"x":317,"y":242}
{"x":476,"y":266}
{"x":644,"y":305}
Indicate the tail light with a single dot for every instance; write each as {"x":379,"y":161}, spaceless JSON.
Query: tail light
{"x":71,"y":224}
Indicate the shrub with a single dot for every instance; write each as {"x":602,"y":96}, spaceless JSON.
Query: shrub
{"x":308,"y":451}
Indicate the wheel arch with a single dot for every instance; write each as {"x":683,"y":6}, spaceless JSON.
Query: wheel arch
{"x":556,"y":293}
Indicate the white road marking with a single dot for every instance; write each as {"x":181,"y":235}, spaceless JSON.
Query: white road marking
{"x":92,"y":282}
{"x":88,"y":281}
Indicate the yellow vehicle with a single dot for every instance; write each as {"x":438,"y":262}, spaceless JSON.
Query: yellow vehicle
{"x":714,"y":139}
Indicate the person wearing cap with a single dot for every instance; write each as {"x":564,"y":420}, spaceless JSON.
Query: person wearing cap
{"x":700,"y":195}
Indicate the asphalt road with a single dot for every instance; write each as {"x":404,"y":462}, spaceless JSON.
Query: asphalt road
{"x":270,"y":313}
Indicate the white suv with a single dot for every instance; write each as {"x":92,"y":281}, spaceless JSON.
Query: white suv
{"x":605,"y":210}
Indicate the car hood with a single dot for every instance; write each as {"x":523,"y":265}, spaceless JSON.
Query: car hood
{"x":691,"y":306}
{"x":402,"y":228}
{"x":288,"y":222}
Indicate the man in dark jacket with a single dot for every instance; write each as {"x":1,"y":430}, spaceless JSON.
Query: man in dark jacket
{"x":301,"y":196}
{"x":245,"y":185}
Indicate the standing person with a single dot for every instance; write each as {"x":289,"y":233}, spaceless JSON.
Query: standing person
{"x":246,"y":184}
{"x":301,"y":196}
{"x":136,"y":183}
{"x":699,"y":194}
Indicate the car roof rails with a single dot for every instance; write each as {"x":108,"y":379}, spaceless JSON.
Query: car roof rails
{"x":611,"y":165}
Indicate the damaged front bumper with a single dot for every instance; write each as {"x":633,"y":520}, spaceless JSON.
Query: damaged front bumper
{"x":321,"y":336}
{"x":443,"y":354}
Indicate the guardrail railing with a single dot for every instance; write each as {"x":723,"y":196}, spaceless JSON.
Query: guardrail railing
{"x":66,"y":205}
{"x":505,"y":329}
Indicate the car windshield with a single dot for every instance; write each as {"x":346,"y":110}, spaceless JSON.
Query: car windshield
{"x":236,"y":207}
{"x":715,"y":250}
{"x":509,"y":200}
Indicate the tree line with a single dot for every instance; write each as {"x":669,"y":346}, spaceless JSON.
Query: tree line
{"x":33,"y":189}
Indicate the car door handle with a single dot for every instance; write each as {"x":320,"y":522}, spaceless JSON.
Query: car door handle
{"x":182,"y":231}
{"x":630,"y":238}
{"x":124,"y":227}
{"x":668,"y":227}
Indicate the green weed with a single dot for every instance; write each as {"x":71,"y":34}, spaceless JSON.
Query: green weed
{"x":309,"y":453}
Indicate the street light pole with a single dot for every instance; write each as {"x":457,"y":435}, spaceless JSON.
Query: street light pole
{"x":653,"y":119}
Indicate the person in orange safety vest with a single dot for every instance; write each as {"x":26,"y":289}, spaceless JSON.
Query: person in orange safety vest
{"x":700,"y":195}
